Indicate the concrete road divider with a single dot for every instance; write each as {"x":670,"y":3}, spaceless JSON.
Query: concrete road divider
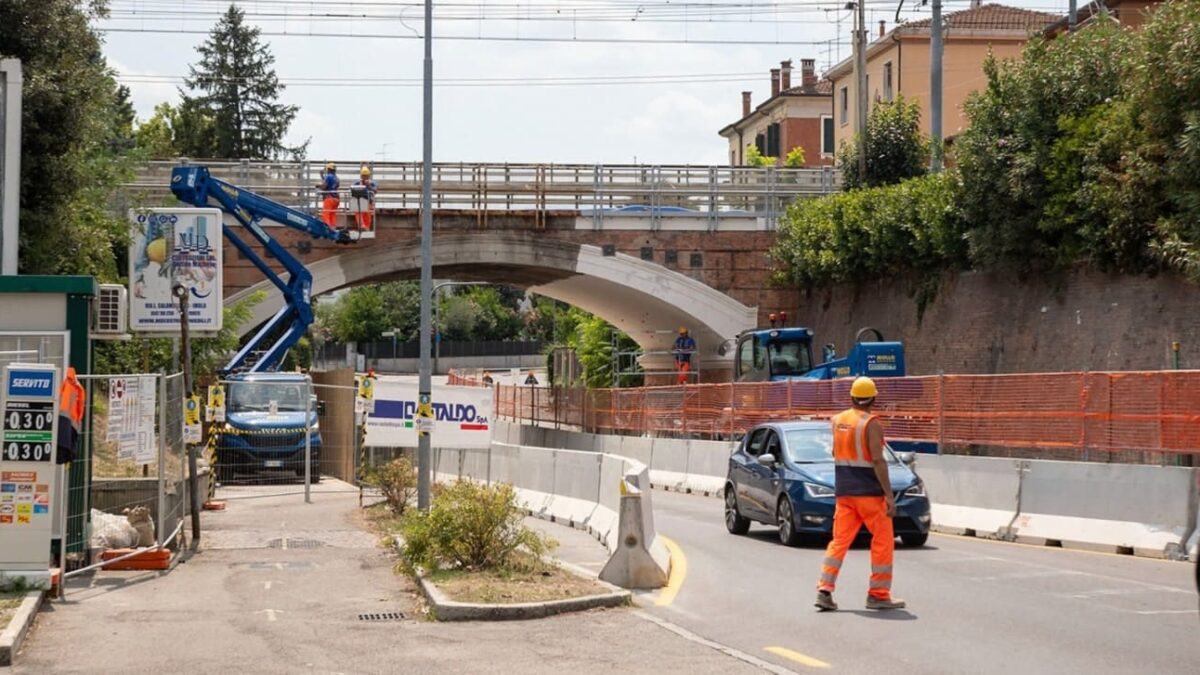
{"x":1129,"y":508}
{"x":971,"y":495}
{"x":605,"y":494}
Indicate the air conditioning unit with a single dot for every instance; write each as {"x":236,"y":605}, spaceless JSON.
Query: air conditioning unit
{"x":112,"y":306}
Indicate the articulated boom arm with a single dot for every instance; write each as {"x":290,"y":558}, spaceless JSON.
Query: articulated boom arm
{"x":194,"y":185}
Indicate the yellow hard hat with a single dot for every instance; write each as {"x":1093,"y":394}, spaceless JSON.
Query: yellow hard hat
{"x":682,"y":330}
{"x":863,"y":387}
{"x":156,"y":251}
{"x":364,"y":171}
{"x":330,"y":166}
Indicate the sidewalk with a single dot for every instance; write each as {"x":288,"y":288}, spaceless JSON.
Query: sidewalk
{"x":279,"y":586}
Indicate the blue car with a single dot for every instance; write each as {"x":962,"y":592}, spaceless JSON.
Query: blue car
{"x":782,"y":474}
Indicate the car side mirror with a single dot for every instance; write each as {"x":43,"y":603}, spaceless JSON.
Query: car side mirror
{"x":766,"y":459}
{"x":908,"y":458}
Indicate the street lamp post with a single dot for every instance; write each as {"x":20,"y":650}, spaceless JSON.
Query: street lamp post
{"x":425,"y":379}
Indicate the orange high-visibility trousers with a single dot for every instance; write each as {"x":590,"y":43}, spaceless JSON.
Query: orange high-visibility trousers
{"x":366,"y":218}
{"x":329,"y":211}
{"x":851,"y":513}
{"x":683,"y":367}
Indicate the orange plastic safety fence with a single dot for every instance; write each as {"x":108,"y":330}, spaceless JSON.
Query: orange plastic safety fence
{"x":1155,"y":411}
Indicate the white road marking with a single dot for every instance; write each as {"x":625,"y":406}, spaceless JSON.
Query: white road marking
{"x":278,"y":566}
{"x":728,"y":651}
{"x":1028,"y":575}
{"x":270,"y":613}
{"x":1165,"y":611}
{"x":266,"y":585}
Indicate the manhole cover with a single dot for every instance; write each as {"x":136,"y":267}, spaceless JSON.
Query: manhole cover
{"x":381,"y":616}
{"x":288,"y":542}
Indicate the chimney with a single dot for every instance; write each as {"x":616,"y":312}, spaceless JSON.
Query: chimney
{"x":745,"y":104}
{"x":785,"y":75}
{"x":774,"y":82}
{"x":882,"y":27}
{"x":976,"y":4}
{"x":808,"y":70}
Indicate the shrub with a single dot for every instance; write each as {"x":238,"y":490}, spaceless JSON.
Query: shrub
{"x":896,"y":148}
{"x":471,"y":526}
{"x":397,"y":480}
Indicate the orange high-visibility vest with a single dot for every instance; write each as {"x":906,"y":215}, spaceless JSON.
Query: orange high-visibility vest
{"x":71,"y":398}
{"x":854,"y":472}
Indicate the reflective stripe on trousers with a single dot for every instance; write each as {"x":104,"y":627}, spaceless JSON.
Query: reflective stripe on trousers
{"x":851,"y":513}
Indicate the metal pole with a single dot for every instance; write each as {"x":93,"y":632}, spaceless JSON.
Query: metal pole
{"x":424,"y":382}
{"x":860,"y":74}
{"x":935,"y":88}
{"x":308,"y":440}
{"x":1175,"y":354}
{"x":10,"y":163}
{"x":1072,"y":15}
{"x":185,"y":357}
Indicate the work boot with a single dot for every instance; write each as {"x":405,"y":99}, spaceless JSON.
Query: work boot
{"x":884,"y":603}
{"x":825,"y":601}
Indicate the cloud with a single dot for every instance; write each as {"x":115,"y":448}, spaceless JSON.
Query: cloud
{"x":143,"y":94}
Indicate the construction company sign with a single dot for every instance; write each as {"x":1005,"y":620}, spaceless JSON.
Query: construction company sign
{"x":462,"y":416}
{"x":169,"y":247}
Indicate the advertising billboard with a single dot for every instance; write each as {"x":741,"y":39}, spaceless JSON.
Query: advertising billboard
{"x":462,"y":416}
{"x":172,"y":246}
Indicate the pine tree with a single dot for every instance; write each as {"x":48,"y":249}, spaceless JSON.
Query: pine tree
{"x":238,"y":94}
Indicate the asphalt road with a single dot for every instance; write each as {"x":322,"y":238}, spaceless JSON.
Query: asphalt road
{"x":974,"y":606}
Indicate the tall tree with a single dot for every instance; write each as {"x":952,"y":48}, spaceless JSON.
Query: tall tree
{"x":234,"y":88}
{"x":896,"y":148}
{"x":74,"y":119}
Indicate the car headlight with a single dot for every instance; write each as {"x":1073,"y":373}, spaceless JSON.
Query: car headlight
{"x":816,"y":491}
{"x":917,"y":490}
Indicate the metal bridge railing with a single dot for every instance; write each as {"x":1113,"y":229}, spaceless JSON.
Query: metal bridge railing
{"x":600,"y":191}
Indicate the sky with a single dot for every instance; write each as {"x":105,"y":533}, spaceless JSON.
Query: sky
{"x":561,"y":81}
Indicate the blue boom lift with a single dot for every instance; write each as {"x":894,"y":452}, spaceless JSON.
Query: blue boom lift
{"x":194,"y":185}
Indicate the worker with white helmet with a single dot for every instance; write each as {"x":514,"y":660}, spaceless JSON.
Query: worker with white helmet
{"x":327,"y":190}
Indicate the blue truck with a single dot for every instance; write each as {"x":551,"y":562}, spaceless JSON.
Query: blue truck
{"x":778,"y":354}
{"x":265,"y":427}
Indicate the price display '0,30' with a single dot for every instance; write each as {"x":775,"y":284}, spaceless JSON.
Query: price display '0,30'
{"x":25,"y":420}
{"x":26,"y":452}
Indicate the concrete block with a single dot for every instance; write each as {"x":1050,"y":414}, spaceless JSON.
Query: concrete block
{"x":535,"y":469}
{"x":1139,"y":508}
{"x":476,"y":464}
{"x":709,"y":458}
{"x":978,"y":494}
{"x":640,"y":559}
{"x":669,"y":463}
{"x":635,"y":447}
{"x":505,"y":463}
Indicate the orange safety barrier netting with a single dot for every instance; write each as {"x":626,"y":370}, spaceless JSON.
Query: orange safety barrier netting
{"x":1157,"y":411}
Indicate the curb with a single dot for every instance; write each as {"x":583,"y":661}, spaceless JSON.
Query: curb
{"x":444,"y":609}
{"x":18,"y":628}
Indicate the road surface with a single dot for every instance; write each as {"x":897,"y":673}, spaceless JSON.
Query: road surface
{"x":974,"y":606}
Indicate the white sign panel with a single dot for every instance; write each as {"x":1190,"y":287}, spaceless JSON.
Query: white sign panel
{"x":28,"y":472}
{"x":131,"y":418}
{"x":462,"y":416}
{"x":175,"y":246}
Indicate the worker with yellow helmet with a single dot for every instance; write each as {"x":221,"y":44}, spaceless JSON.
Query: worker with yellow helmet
{"x":685,"y":346}
{"x":864,"y":496}
{"x":364,"y":184}
{"x":327,"y":190}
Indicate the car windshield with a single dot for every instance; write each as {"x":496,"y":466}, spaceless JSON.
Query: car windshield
{"x":788,"y":358}
{"x":257,"y":396}
{"x":812,"y":445}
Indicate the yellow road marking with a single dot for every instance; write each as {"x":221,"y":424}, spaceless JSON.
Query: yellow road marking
{"x":678,"y":573}
{"x":803,"y":659}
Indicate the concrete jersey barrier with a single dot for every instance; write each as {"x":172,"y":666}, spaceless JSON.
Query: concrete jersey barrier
{"x":1146,"y":510}
{"x":603,"y":493}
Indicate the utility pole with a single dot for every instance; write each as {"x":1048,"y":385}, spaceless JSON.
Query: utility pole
{"x":935,"y":88}
{"x":860,"y":75}
{"x":10,"y":162}
{"x":185,"y":362}
{"x":1072,"y":15}
{"x":425,"y":377}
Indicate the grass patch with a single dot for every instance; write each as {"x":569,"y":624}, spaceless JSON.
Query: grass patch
{"x":9,"y":602}
{"x":529,"y":581}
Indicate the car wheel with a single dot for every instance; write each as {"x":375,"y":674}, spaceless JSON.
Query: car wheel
{"x":734,"y":521}
{"x":914,"y":540}
{"x":787,"y":523}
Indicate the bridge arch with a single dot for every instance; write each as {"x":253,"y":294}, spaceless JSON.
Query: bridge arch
{"x":644,"y":299}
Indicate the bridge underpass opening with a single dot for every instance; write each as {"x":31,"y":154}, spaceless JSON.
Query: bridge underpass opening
{"x":645,"y":300}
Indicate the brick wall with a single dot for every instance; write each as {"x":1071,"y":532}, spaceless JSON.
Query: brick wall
{"x":805,"y":133}
{"x":992,"y":323}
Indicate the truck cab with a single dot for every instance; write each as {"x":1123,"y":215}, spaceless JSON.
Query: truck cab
{"x":265,"y":423}
{"x":774,"y":354}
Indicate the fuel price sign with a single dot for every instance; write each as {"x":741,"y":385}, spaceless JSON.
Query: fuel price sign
{"x":28,"y":431}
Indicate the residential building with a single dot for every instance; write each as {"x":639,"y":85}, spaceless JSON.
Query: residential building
{"x":792,"y":117}
{"x":1130,"y":13}
{"x":898,"y":63}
